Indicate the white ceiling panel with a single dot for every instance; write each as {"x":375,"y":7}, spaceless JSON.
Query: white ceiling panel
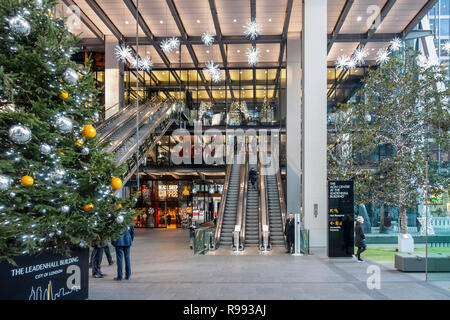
{"x":400,"y":15}
{"x":83,"y":31}
{"x":196,"y":16}
{"x":361,"y":15}
{"x":121,"y":16}
{"x":230,"y":10}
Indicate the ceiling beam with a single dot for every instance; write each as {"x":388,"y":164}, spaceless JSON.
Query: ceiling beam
{"x":182,"y":29}
{"x":287,"y":19}
{"x":427,"y":7}
{"x":213,"y":8}
{"x":377,"y":22}
{"x":337,"y":28}
{"x":105,"y":19}
{"x":149,"y":36}
{"x":85,"y":19}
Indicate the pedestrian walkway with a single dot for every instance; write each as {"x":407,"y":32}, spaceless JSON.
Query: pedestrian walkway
{"x":163,"y":267}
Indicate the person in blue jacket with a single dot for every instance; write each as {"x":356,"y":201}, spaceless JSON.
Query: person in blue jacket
{"x":122,"y":246}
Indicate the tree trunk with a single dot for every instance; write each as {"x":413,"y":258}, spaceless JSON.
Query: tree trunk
{"x":403,"y":220}
{"x":382,"y":229}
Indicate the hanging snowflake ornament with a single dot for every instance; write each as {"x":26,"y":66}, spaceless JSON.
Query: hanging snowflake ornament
{"x":174,"y":43}
{"x":446,"y":46}
{"x":252,"y":29}
{"x":207,"y":38}
{"x":165,"y":46}
{"x":145,"y":64}
{"x":395,"y":44}
{"x":360,"y":55}
{"x":213,"y":70}
{"x":122,"y":53}
{"x":383,"y":56}
{"x":342,"y":61}
{"x":426,"y":63}
{"x":253,"y":56}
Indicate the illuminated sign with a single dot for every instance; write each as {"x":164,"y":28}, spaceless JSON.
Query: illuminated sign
{"x":168,"y":191}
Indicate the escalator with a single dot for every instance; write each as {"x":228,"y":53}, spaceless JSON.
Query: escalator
{"x":276,"y":209}
{"x":229,"y":206}
{"x":155,"y":118}
{"x":252,"y":217}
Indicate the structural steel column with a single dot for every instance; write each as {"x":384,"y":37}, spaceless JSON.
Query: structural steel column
{"x":293,"y":122}
{"x":113,"y":78}
{"x":314,"y":116}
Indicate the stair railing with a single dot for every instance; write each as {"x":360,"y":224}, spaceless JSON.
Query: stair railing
{"x":220,"y":214}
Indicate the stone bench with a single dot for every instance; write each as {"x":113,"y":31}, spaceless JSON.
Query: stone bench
{"x":409,"y":262}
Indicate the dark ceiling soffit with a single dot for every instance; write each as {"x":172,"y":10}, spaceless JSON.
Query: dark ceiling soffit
{"x":85,"y":19}
{"x":427,"y":7}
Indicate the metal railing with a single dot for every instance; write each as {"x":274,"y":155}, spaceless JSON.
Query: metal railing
{"x":237,"y":243}
{"x":244,"y":202}
{"x":264,"y":214}
{"x":220,"y":214}
{"x":280,"y":195}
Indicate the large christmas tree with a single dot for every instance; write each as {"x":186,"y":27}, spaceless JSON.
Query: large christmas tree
{"x":58,"y":188}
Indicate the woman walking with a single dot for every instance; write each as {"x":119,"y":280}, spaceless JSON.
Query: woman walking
{"x":359,"y":238}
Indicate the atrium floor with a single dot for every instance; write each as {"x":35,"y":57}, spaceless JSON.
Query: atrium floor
{"x":163,"y":267}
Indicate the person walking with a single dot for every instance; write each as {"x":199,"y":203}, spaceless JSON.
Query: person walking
{"x":253,"y":175}
{"x":192,"y":226}
{"x":360,"y":238}
{"x":107,"y":253}
{"x":122,"y":246}
{"x":96,"y":261}
{"x":289,"y":232}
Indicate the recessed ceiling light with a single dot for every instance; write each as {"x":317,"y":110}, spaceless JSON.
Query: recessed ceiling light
{"x":238,"y":51}
{"x":267,"y":50}
{"x":178,"y":51}
{"x":241,"y":73}
{"x":207,"y":51}
{"x":163,"y":73}
{"x":342,"y":49}
{"x":373,"y":49}
{"x":198,"y":21}
{"x":148,"y":52}
{"x":160,"y":21}
{"x":359,"y":18}
{"x":270,"y":19}
{"x":126,"y":22}
{"x":234,"y":20}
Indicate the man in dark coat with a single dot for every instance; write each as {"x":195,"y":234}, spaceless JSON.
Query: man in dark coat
{"x":289,"y":232}
{"x":359,"y":238}
{"x":253,"y":175}
{"x":122,"y":246}
{"x":192,"y":226}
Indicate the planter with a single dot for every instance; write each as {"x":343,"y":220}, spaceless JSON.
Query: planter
{"x":47,"y":276}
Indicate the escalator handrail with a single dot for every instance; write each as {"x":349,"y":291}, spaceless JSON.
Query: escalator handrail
{"x":99,"y":125}
{"x":240,"y":199}
{"x":220,"y":214}
{"x":263,"y":204}
{"x":244,"y":202}
{"x":131,"y":115}
{"x":281,"y":195}
{"x":116,"y":144}
{"x":144,"y":135}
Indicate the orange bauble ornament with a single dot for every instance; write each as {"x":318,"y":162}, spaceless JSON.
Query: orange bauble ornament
{"x":119,"y":206}
{"x":88,"y":207}
{"x":64,"y":94}
{"x":88,"y":131}
{"x":116,"y":183}
{"x":27,"y":181}
{"x":79,"y":142}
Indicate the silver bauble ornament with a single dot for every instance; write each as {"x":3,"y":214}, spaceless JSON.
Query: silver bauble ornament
{"x":57,"y":175}
{"x":19,"y":25}
{"x":45,"y":148}
{"x":96,"y":117}
{"x":85,"y":150}
{"x":12,"y":194}
{"x":64,"y":124}
{"x":65,"y":209}
{"x":44,"y":211}
{"x":58,"y":232}
{"x":19,"y":134}
{"x":70,"y":76}
{"x":5,"y":183}
{"x":38,"y":4}
{"x":119,"y":219}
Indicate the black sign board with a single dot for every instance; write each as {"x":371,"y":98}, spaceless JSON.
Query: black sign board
{"x":340,"y":219}
{"x":47,"y":276}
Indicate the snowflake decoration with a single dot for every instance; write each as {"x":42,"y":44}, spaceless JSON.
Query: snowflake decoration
{"x":359,"y":55}
{"x":446,"y":46}
{"x":207,"y":38}
{"x":167,"y":45}
{"x":122,"y":53}
{"x":252,"y":29}
{"x":425,"y":63}
{"x":253,"y":56}
{"x":145,"y":64}
{"x":214,"y":71}
{"x":395,"y":44}
{"x":383,"y":56}
{"x":345,"y":62}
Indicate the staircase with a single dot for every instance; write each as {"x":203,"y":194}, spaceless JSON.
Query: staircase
{"x":275,"y":222}
{"x":252,"y":217}
{"x":229,"y":214}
